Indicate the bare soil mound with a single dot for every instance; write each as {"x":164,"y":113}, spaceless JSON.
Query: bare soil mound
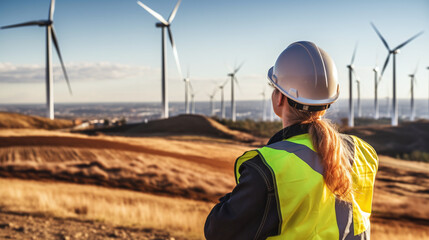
{"x":179,"y":125}
{"x":16,"y":120}
{"x":394,"y":141}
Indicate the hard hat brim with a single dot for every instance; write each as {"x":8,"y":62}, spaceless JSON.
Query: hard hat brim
{"x":303,"y":101}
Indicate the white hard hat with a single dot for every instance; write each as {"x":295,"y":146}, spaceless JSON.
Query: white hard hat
{"x":307,"y":76}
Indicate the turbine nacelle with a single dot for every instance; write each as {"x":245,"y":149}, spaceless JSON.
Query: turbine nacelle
{"x":376,"y":69}
{"x":161,"y":25}
{"x":397,"y":51}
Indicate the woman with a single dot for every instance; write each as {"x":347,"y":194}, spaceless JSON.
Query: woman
{"x":309,"y":181}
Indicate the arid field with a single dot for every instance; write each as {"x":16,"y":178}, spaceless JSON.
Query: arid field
{"x":145,"y":184}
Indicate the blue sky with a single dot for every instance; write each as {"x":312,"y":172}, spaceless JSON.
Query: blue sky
{"x":112,"y":49}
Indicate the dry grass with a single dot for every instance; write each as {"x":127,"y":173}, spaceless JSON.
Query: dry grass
{"x":187,"y":166}
{"x":155,"y":165}
{"x":114,"y":206}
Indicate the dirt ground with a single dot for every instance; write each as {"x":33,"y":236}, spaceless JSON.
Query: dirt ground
{"x":26,"y":226}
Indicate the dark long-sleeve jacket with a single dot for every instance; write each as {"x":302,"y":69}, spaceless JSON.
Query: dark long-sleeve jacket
{"x":250,"y":211}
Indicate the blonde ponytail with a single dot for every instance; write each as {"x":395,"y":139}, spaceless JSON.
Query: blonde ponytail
{"x":332,"y":150}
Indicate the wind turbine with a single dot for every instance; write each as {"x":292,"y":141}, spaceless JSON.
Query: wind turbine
{"x":187,"y":81}
{"x":233,"y":79}
{"x":428,"y":90}
{"x":264,"y":104}
{"x":358,"y":97}
{"x":376,"y":82}
{"x":393,"y":51}
{"x":164,"y":24}
{"x":211,"y":101}
{"x":192,"y":102}
{"x":50,"y":37}
{"x":413,"y":81}
{"x":222,"y":102}
{"x":351,"y":72}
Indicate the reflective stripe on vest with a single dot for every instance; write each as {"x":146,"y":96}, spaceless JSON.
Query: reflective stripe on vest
{"x":308,"y":209}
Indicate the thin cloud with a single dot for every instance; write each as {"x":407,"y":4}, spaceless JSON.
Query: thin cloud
{"x":86,"y":71}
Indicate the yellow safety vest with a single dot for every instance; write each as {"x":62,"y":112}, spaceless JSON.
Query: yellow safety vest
{"x":308,"y":209}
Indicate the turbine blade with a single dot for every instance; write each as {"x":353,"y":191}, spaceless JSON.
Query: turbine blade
{"x":57,"y":47}
{"x":176,"y":56}
{"x":224,"y":83}
{"x":238,"y":68}
{"x":173,"y":13}
{"x":354,"y":54}
{"x":30,"y":23}
{"x":381,"y":37}
{"x":238,"y":85}
{"x":189,"y":70}
{"x":409,"y":40}
{"x":153,"y":13}
{"x":385,"y":64}
{"x":52,"y":10}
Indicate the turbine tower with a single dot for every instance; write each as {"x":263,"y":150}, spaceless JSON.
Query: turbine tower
{"x":413,"y":81}
{"x":233,"y":79}
{"x":376,"y":82}
{"x":212,"y":102}
{"x":192,"y":102}
{"x":428,"y":90}
{"x":188,"y":85}
{"x":358,"y":97}
{"x":351,"y":122}
{"x":164,"y":24}
{"x":264,"y":104}
{"x":222,"y":102}
{"x":50,"y":37}
{"x":393,"y":51}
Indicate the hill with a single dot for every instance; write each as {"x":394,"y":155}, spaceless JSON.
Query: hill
{"x":179,"y":125}
{"x":398,"y":141}
{"x":16,"y":120}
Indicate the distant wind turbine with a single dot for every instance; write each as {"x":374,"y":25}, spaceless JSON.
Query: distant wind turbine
{"x":163,"y":24}
{"x":358,"y":97}
{"x":192,"y":102}
{"x":376,"y":82}
{"x":222,"y":102}
{"x":413,"y":81}
{"x":264,"y":104}
{"x":351,"y":72}
{"x":428,"y":90}
{"x":50,"y":36}
{"x":212,"y":102}
{"x":393,"y":51}
{"x":187,"y":81}
{"x":233,"y":79}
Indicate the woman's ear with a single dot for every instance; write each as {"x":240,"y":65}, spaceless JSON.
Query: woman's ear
{"x":280,"y":99}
